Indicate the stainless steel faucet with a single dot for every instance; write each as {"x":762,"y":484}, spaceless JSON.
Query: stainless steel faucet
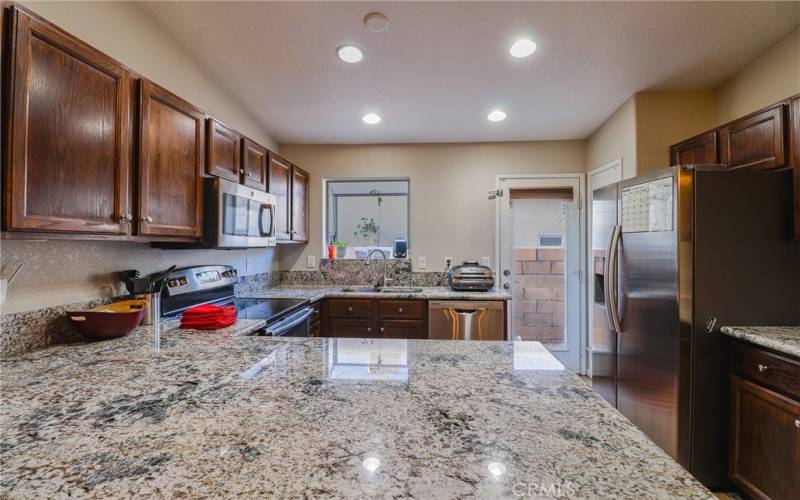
{"x":385,"y":281}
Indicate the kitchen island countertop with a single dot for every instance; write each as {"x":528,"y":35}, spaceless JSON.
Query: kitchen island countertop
{"x":314,"y":293}
{"x":220,"y":414}
{"x":785,"y":339}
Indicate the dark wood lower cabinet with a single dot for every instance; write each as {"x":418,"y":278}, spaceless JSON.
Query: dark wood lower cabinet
{"x":375,"y":318}
{"x":402,"y":329}
{"x":349,"y":328}
{"x":765,"y":428}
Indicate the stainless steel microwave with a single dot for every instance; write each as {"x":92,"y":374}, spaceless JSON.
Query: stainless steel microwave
{"x":237,"y":216}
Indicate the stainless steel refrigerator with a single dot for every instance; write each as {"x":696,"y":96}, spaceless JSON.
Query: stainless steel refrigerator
{"x":677,"y":254}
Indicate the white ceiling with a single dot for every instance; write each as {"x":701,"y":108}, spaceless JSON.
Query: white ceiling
{"x":442,"y":66}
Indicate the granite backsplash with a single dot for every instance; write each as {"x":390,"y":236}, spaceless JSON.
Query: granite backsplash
{"x":27,"y":331}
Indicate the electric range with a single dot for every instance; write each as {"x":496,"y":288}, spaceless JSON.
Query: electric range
{"x":192,"y":286}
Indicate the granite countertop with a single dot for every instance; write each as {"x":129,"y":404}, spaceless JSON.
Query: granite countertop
{"x":221,"y":414}
{"x":785,"y":339}
{"x":314,"y":293}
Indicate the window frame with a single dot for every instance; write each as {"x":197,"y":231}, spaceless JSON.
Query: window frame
{"x":326,"y":182}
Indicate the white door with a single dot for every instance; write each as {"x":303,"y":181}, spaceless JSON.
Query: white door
{"x":540,"y":241}
{"x":600,"y":177}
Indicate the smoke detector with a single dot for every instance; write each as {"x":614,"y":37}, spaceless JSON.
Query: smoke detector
{"x":376,"y":22}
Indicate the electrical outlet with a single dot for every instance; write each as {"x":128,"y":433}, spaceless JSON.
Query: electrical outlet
{"x":486,"y":261}
{"x":422,"y":262}
{"x":448,"y":263}
{"x":311,"y":261}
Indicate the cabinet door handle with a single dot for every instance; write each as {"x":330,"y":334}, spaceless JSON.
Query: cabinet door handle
{"x":797,"y":423}
{"x":147,"y":219}
{"x":125,"y":217}
{"x":241,"y":170}
{"x":369,"y":329}
{"x":349,"y":309}
{"x":399,"y":309}
{"x":382,"y":330}
{"x":762,"y":368}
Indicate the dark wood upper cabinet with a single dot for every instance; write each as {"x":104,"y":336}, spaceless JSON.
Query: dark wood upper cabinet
{"x":67,"y":162}
{"x":765,"y":441}
{"x":698,"y":150}
{"x":300,"y":188}
{"x":171,"y":155}
{"x":254,"y":164}
{"x":223,"y":151}
{"x":794,"y":157}
{"x":756,"y":142}
{"x":280,"y":184}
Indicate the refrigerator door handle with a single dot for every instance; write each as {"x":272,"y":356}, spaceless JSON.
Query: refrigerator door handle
{"x":611,"y":279}
{"x":607,"y":278}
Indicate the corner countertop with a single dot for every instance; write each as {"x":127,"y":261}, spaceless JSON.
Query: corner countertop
{"x":785,"y":339}
{"x":221,"y":414}
{"x":314,"y":293}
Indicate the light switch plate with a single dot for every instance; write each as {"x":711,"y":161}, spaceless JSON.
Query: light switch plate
{"x":311,"y":261}
{"x":422,"y":262}
{"x":486,"y":261}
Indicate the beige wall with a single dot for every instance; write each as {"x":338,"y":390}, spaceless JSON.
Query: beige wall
{"x":615,"y":138}
{"x":450,"y":212}
{"x":60,"y":272}
{"x":768,"y":79}
{"x":126,"y":32}
{"x":664,"y":118}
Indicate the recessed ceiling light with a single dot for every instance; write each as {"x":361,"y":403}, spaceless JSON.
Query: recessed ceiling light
{"x":371,"y":119}
{"x":376,"y":22}
{"x":496,"y":116}
{"x":523,"y":48}
{"x":349,"y":54}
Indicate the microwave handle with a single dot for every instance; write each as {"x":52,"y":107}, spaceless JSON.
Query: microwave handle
{"x":271,"y":231}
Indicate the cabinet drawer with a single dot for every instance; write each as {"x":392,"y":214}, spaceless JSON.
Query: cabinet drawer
{"x":773,"y":370}
{"x":355,"y":328}
{"x":351,"y":308}
{"x":402,"y":329}
{"x":401,"y":309}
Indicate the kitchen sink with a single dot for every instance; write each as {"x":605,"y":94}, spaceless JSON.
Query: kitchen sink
{"x":400,"y":289}
{"x":361,"y":289}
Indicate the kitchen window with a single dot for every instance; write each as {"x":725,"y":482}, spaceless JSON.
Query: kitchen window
{"x":363,"y":214}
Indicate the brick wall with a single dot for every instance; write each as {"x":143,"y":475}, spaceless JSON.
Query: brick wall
{"x":539,"y":294}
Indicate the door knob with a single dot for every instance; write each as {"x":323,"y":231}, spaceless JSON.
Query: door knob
{"x":507,"y":285}
{"x":506,"y":272}
{"x":147,"y":219}
{"x":762,"y":368}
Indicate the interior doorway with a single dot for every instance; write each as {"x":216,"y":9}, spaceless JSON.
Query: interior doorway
{"x":540,"y":242}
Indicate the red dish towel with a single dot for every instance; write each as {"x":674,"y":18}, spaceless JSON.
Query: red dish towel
{"x":208,"y":317}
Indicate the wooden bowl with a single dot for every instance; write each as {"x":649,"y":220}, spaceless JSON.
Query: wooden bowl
{"x":110,"y":321}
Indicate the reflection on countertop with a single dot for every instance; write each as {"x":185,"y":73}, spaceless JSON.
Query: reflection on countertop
{"x":219,"y":414}
{"x":785,"y":339}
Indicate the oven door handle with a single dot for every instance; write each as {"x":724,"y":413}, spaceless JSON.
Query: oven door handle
{"x":286,"y":324}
